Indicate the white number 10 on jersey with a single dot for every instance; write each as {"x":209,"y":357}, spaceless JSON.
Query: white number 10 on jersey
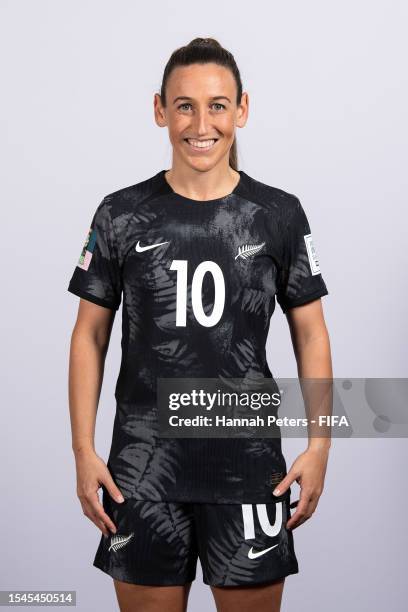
{"x":180,"y":265}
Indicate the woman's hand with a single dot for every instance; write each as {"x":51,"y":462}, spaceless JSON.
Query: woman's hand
{"x":92,"y":472}
{"x":309,"y":470}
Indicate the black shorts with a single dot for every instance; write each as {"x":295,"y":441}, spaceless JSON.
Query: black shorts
{"x":157,"y":543}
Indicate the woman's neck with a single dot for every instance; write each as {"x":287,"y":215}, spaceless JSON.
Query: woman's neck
{"x":202,"y":184}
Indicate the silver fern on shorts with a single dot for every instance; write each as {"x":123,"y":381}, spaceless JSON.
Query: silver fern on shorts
{"x":246,"y":250}
{"x":119,"y":541}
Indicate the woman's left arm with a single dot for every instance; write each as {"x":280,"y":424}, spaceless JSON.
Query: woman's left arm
{"x":311,"y":346}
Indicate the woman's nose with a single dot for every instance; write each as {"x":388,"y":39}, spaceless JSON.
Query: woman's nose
{"x":201,"y":122}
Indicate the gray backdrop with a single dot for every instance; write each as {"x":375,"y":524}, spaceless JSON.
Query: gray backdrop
{"x":328,"y":97}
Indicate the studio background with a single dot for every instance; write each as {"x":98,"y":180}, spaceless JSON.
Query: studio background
{"x":327,"y":86}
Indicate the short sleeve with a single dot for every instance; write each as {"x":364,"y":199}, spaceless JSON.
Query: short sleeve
{"x":97,"y":275}
{"x":300,"y":280}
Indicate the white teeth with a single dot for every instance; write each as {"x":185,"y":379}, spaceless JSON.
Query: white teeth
{"x":201,"y":144}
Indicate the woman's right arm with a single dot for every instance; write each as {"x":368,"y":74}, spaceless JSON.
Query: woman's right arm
{"x":89,"y":345}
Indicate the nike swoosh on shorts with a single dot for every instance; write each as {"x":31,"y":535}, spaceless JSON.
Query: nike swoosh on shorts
{"x":255,"y":555}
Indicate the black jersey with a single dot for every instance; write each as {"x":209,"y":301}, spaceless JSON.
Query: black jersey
{"x":198,"y":281}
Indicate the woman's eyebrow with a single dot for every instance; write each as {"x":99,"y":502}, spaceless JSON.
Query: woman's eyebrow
{"x":188,"y":98}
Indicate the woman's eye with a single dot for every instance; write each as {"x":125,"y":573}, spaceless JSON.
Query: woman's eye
{"x":187,"y":106}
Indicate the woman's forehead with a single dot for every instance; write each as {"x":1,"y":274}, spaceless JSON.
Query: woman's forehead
{"x":201,"y":79}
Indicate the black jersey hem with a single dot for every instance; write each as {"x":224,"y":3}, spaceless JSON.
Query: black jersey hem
{"x":92,"y":298}
{"x":304,"y":299}
{"x":217,"y":499}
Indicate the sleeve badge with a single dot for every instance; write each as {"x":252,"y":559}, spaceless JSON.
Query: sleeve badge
{"x":87,"y":250}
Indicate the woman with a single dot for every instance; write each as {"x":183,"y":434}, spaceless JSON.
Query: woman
{"x":198,"y":253}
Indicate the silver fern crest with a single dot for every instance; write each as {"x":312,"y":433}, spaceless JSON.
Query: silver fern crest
{"x":119,"y":541}
{"x":246,"y":250}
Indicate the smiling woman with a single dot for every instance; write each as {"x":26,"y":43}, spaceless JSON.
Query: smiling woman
{"x":201,"y":102}
{"x":199,"y":253}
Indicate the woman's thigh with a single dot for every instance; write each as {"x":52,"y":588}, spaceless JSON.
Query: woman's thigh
{"x":141,"y":598}
{"x":257,"y":598}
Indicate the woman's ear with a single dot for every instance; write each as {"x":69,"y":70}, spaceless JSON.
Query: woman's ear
{"x":242,"y":111}
{"x":159,"y":111}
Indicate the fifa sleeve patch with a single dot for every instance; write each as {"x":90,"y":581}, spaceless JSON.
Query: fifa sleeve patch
{"x":312,"y":255}
{"x":87,"y":250}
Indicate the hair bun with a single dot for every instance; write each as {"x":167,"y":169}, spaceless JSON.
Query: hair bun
{"x":198,"y":42}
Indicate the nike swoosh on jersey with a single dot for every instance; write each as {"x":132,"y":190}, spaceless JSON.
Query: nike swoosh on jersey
{"x":140,"y":248}
{"x":255,"y":555}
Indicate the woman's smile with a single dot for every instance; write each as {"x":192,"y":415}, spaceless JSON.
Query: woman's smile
{"x":200,"y":145}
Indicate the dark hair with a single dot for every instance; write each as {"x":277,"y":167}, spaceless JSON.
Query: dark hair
{"x":204,"y":51}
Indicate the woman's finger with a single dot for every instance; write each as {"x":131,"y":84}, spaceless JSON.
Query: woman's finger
{"x":302,"y":510}
{"x":93,"y":509}
{"x":111,"y":488}
{"x":102,"y":527}
{"x":99,"y":512}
